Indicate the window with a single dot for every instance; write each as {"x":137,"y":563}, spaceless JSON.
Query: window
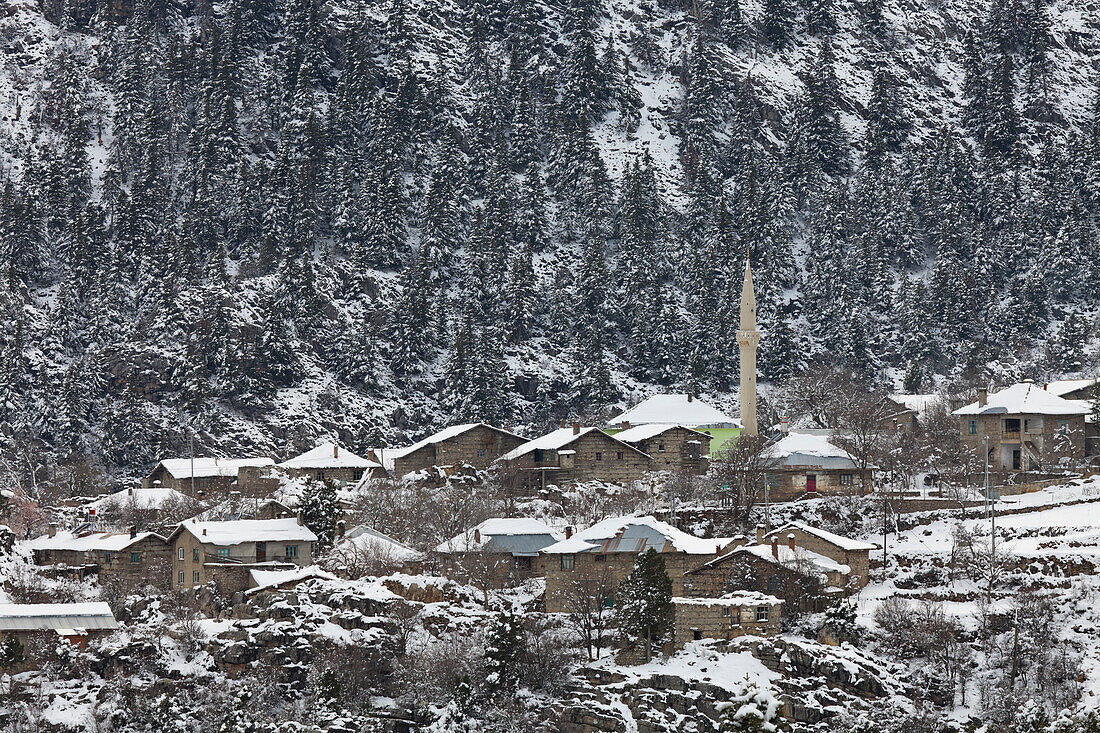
{"x":320,"y":475}
{"x":566,"y":562}
{"x":356,"y":474}
{"x":773,"y":583}
{"x":660,"y":447}
{"x":599,"y":558}
{"x":1063,"y":426}
{"x":195,"y":576}
{"x":972,"y":427}
{"x":180,"y":579}
{"x":599,"y":456}
{"x":223,"y":552}
{"x":538,"y":456}
{"x":696,"y":634}
{"x":762,"y":613}
{"x":845,"y":479}
{"x":291,"y":552}
{"x":195,"y":554}
{"x":523,"y":563}
{"x":135,"y":557}
{"x":181,"y":551}
{"x":480,"y":452}
{"x":107,"y":557}
{"x":619,"y":456}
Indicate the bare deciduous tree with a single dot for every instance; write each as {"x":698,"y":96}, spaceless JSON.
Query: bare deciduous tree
{"x":587,"y":593}
{"x":739,"y":474}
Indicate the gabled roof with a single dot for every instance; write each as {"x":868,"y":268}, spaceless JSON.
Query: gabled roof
{"x":918,"y":403}
{"x":328,"y":455}
{"x":46,"y":616}
{"x":367,"y":540}
{"x":808,"y":449}
{"x":737,"y":598}
{"x":94,"y":542}
{"x":634,"y":535}
{"x":639,"y":433}
{"x":240,"y":531}
{"x":1025,"y":398}
{"x":142,"y":498}
{"x":389,"y":455}
{"x":675,"y":409}
{"x":799,"y":559}
{"x":181,"y":468}
{"x":844,"y":543}
{"x":559,"y":439}
{"x":520,"y":537}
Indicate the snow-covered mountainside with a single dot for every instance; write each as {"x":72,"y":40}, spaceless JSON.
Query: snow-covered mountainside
{"x":252,"y":223}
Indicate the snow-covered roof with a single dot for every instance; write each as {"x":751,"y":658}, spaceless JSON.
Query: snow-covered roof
{"x":45,"y":616}
{"x":918,"y":403}
{"x":1025,"y":398}
{"x":367,"y":540}
{"x":844,"y":543}
{"x":652,"y":430}
{"x":808,"y":449}
{"x":244,"y":507}
{"x":153,"y":498}
{"x":267,"y":579}
{"x":676,"y":409}
{"x":1062,"y":387}
{"x":239,"y":531}
{"x":389,"y":455}
{"x":799,"y":559}
{"x":557,"y":440}
{"x":634,"y":535}
{"x":94,"y":542}
{"x":328,"y":455}
{"x":181,"y":468}
{"x":738,"y":598}
{"x":520,"y":537}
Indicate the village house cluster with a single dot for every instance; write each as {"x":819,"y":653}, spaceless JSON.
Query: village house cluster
{"x":244,"y":538}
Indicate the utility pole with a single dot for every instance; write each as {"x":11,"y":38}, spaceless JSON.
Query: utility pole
{"x":191,"y":449}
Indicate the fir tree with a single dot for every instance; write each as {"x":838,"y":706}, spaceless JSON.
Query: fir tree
{"x":320,"y":510}
{"x":643,"y":602}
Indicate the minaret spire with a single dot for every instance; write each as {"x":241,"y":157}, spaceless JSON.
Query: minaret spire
{"x":748,"y":338}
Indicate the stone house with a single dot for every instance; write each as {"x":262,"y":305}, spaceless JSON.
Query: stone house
{"x":576,"y":454}
{"x":732,"y":615}
{"x":506,"y":549}
{"x":906,"y":411}
{"x":1029,"y":428}
{"x":134,"y":557}
{"x":330,"y":462}
{"x":672,"y":447}
{"x":1084,"y":391}
{"x":804,"y":580}
{"x":809,"y":464}
{"x":39,"y":626}
{"x":610,"y":548}
{"x":200,"y":477}
{"x":471,"y":444}
{"x":153,"y":505}
{"x":202,"y":549}
{"x":856,"y":554}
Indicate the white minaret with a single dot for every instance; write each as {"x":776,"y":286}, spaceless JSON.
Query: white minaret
{"x":748,"y":338}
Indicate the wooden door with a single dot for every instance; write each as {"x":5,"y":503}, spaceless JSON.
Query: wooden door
{"x":261,"y":552}
{"x":811,"y":482}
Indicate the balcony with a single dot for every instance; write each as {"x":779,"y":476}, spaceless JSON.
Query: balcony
{"x":1010,"y":435}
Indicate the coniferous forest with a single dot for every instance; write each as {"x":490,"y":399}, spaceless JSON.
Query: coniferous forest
{"x":243,"y":224}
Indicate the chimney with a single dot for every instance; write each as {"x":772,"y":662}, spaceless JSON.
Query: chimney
{"x":52,"y":529}
{"x":568,"y":531}
{"x":130,"y":491}
{"x":301,"y":518}
{"x":576,"y":428}
{"x":477,"y":536}
{"x":133,"y":531}
{"x":790,"y":541}
{"x":775,"y":547}
{"x":335,"y":452}
{"x":983,"y":396}
{"x":690,"y":396}
{"x":204,"y":531}
{"x":340,"y":528}
{"x":626,"y":425}
{"x":760,"y":534}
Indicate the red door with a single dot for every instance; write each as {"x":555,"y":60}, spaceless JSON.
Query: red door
{"x":811,"y":483}
{"x":261,"y":552}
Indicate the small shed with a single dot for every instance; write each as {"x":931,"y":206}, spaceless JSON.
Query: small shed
{"x":74,"y":622}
